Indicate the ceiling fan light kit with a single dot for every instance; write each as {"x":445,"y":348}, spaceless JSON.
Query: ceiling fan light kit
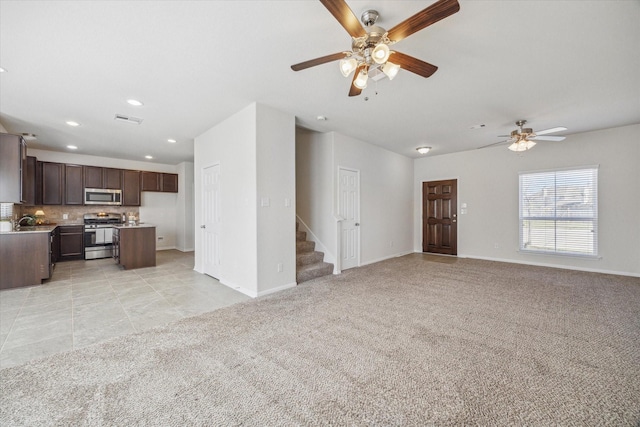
{"x":522,"y":139}
{"x":370,"y":43}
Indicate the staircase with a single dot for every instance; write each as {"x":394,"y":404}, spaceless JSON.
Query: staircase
{"x":309,"y":264}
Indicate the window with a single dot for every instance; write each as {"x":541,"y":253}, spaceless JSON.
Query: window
{"x":559,"y":211}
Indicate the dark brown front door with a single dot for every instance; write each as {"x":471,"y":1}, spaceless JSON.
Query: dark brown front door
{"x":440,"y":217}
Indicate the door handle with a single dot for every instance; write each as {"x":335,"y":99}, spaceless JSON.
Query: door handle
{"x":203,"y":226}
{"x":357,"y":224}
{"x":453,"y":220}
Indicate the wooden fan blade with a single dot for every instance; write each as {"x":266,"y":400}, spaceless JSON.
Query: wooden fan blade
{"x":318,"y":61}
{"x":353,"y":90}
{"x":345,"y":17}
{"x":552,"y":130}
{"x":412,"y":64}
{"x":434,"y":13}
{"x":547,"y":138}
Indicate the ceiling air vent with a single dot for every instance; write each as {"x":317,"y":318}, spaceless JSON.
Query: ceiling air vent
{"x":128,"y":119}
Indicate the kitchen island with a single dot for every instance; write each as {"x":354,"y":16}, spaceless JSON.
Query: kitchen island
{"x":26,"y":256}
{"x":134,"y":246}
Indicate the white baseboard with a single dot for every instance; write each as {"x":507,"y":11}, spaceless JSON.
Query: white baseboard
{"x":166,"y":248}
{"x":543,"y":264}
{"x":396,"y":255}
{"x":278,"y":289}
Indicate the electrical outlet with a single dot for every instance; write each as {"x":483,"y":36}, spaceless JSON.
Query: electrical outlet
{"x":160,"y":237}
{"x":391,"y":243}
{"x":65,"y":216}
{"x":496,"y":246}
{"x":279,"y":267}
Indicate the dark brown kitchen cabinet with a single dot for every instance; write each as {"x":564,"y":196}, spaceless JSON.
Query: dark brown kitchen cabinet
{"x":71,"y":242}
{"x":151,"y":181}
{"x":98,"y":177}
{"x":55,"y":245}
{"x":134,"y":247}
{"x":13,"y":168}
{"x":52,"y":183}
{"x":92,"y":177}
{"x":73,"y":185}
{"x":112,"y":178}
{"x":169,"y":182}
{"x":29,"y":184}
{"x":26,"y":259}
{"x":158,"y":181}
{"x":130,"y":188}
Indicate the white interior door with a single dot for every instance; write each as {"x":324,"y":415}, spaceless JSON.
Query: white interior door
{"x":211,"y":220}
{"x":349,"y":209}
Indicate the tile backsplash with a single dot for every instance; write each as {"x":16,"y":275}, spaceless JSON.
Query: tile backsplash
{"x":55,"y":214}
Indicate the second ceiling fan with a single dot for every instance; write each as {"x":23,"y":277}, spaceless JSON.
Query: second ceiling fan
{"x":370,"y":44}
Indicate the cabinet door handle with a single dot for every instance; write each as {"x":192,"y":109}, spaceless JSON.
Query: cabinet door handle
{"x":203,"y":226}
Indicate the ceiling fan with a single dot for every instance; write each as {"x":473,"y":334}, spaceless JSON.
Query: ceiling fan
{"x":523,"y":139}
{"x":370,"y":44}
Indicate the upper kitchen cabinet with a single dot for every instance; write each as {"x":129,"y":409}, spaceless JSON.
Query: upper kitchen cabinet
{"x":13,"y":168}
{"x":112,"y":178}
{"x":151,"y":181}
{"x":52,"y":174}
{"x":73,"y":185}
{"x":157,"y":181}
{"x":30,"y":182}
{"x":98,"y":177}
{"x":130,"y":188}
{"x":169,"y":183}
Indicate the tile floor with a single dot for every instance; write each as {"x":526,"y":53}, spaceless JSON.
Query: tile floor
{"x":86,"y":302}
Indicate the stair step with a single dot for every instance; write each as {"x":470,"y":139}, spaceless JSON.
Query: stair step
{"x":312,"y":271}
{"x":306,"y":258}
{"x":301,"y":236}
{"x":306,"y":246}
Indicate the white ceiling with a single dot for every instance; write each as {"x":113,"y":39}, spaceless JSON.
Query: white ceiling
{"x":195,"y":63}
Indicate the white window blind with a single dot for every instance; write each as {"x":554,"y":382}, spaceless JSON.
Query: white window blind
{"x":559,"y":211}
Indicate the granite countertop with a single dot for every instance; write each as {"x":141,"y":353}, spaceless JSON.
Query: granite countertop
{"x":45,"y":228}
{"x":141,"y":225}
{"x":42,"y":228}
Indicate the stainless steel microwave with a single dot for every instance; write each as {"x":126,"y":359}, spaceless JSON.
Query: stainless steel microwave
{"x":101,"y":196}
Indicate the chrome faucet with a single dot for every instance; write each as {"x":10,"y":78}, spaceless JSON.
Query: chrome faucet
{"x":18,"y":223}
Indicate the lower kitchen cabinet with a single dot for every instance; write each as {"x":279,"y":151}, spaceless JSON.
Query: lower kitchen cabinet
{"x":71,"y":238}
{"x":134,"y":247}
{"x":26,"y":259}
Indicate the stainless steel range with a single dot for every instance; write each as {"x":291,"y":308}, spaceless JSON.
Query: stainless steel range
{"x":98,"y":234}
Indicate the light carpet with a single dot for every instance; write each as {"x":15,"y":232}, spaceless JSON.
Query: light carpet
{"x":416,"y":340}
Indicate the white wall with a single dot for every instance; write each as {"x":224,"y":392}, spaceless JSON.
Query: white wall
{"x":231,"y":144}
{"x":255,"y":150}
{"x":160,"y":209}
{"x":386,"y":197}
{"x":488,"y":184}
{"x":185,"y":217}
{"x":386,"y":192}
{"x":275,"y":148}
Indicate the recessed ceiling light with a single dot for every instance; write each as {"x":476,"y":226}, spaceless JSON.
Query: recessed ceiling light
{"x":321,"y":118}
{"x":72,"y":123}
{"x":72,"y":147}
{"x":423,"y":150}
{"x":3,"y":70}
{"x":135,"y":102}
{"x":148,"y":157}
{"x":173,"y":141}
{"x":480,"y":126}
